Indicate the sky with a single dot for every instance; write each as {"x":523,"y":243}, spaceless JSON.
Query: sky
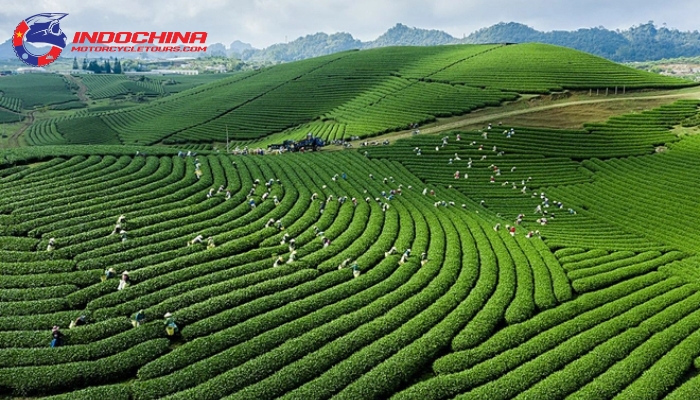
{"x":266,"y":22}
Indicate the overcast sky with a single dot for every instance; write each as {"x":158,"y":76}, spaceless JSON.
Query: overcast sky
{"x":265,"y":22}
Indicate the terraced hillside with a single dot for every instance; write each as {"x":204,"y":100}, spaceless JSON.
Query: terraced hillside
{"x":601,"y":303}
{"x":27,"y":91}
{"x":356,"y":93}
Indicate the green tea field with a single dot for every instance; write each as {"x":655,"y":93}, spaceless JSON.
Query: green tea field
{"x":501,"y":262}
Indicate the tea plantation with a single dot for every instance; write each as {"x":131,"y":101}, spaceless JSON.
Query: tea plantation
{"x":355,"y":93}
{"x":504,"y":262}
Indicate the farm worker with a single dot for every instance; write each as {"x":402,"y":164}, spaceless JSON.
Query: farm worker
{"x":459,"y":137}
{"x":512,"y":169}
{"x":354,"y":202}
{"x":572,"y":211}
{"x":423,"y":259}
{"x":210,"y":193}
{"x":117,"y":229}
{"x":228,"y":194}
{"x":81,"y":320}
{"x":371,"y":176}
{"x":123,"y":234}
{"x":344,"y":263}
{"x":221,"y":189}
{"x":485,"y":135}
{"x":251,"y":202}
{"x":390,"y":252}
{"x":197,"y":239}
{"x":57,"y":337}
{"x":495,"y":149}
{"x":278,"y":261}
{"x":512,"y":231}
{"x":497,"y":227}
{"x":314,"y":196}
{"x":385,"y":207}
{"x":292,"y":256}
{"x":279,"y":225}
{"x":109,"y":274}
{"x":493,"y":179}
{"x":407,"y":253}
{"x":269,"y":222}
{"x":425,"y":191}
{"x":121,"y":219}
{"x":355,"y":270}
{"x":275,"y":200}
{"x":210,"y":243}
{"x":437,"y":148}
{"x":432,"y":192}
{"x":489,"y":126}
{"x":456,"y":174}
{"x":323,"y":207}
{"x":449,"y":162}
{"x":124,"y":282}
{"x":529,"y":234}
{"x":52,"y":245}
{"x":265,"y":196}
{"x":326,"y":242}
{"x":198,"y":173}
{"x":457,"y":157}
{"x":418,"y":152}
{"x":170,"y":326}
{"x":284,"y":238}
{"x":292,"y":244}
{"x":138,"y":318}
{"x":538,"y":209}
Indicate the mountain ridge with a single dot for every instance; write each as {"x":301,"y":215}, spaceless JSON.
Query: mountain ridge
{"x":644,"y":42}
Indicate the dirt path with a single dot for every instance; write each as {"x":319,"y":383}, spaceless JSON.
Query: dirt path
{"x":82,"y":89}
{"x":14,"y":139}
{"x":479,"y":117}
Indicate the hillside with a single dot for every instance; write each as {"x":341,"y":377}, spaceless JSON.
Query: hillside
{"x":356,"y":93}
{"x":402,"y":280}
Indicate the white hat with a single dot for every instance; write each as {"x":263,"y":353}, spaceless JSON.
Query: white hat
{"x":167,"y":315}
{"x":125,"y":273}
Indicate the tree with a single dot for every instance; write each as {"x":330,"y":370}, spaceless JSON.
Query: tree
{"x":107,"y":67}
{"x":75,"y":62}
{"x":117,"y":67}
{"x":94,"y":67}
{"x":85,"y":63}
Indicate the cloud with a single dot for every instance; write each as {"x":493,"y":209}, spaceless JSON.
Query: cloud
{"x":265,"y":22}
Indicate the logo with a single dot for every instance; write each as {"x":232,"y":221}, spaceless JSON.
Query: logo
{"x":39,"y":29}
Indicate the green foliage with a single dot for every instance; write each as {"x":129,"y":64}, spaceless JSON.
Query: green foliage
{"x":36,"y":90}
{"x":353,"y":93}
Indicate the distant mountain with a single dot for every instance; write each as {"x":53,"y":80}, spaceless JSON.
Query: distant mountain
{"x":320,"y":44}
{"x":315,"y":45}
{"x":7,"y":52}
{"x":239,"y":47}
{"x":645,"y":42}
{"x":402,"y":35}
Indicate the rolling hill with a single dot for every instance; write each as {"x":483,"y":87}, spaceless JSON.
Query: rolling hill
{"x":356,"y":93}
